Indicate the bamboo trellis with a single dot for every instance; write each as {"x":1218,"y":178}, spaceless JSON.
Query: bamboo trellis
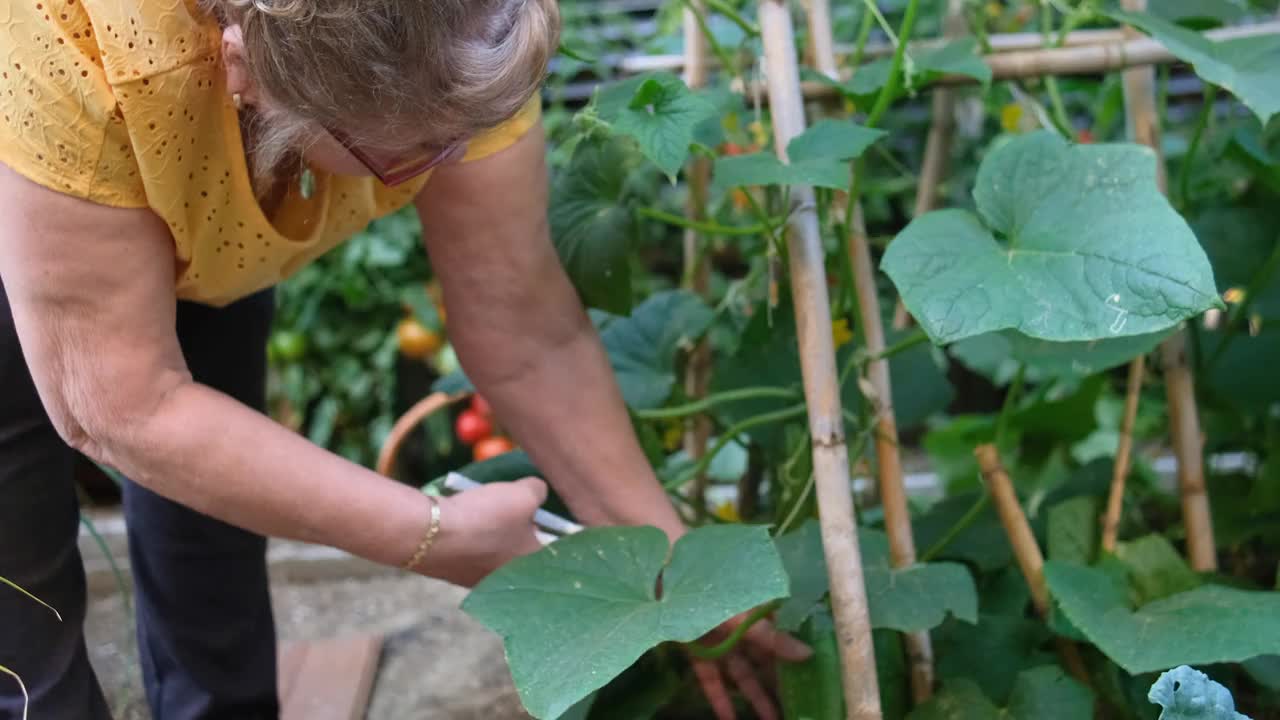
{"x":1082,"y":52}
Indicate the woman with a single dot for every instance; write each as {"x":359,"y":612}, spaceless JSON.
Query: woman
{"x":162,"y":165}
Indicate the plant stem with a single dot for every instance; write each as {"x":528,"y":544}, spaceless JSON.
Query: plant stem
{"x":1051,"y":82}
{"x":1197,"y":135}
{"x":886,"y":96}
{"x":724,"y":56}
{"x":727,"y":10}
{"x":864,"y":33}
{"x":1120,"y":471}
{"x":724,"y":647}
{"x":1010,"y":403}
{"x":711,"y":401}
{"x":706,"y":227}
{"x":969,"y":517}
{"x":732,"y":433}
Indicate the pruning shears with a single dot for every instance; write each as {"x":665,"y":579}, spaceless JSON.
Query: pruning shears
{"x":552,"y":526}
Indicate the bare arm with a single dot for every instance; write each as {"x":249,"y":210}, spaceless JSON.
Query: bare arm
{"x":526,"y":341}
{"x":92,"y":293}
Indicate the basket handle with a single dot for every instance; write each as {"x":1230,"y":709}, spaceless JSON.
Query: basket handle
{"x":406,"y":424}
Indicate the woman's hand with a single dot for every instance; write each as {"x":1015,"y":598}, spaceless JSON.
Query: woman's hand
{"x":483,"y":529}
{"x":749,"y":666}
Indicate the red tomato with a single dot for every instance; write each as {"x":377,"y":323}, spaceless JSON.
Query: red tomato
{"x":480,"y":405}
{"x":732,"y":148}
{"x":491,"y":447}
{"x":1086,"y":137}
{"x":472,"y":427}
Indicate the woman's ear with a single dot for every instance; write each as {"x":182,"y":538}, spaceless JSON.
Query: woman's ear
{"x":239,"y":80}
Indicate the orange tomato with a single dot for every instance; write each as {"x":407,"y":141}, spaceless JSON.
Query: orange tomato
{"x":491,"y":447}
{"x":416,"y":340}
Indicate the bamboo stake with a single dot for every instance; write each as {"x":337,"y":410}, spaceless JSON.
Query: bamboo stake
{"x":697,"y":377}
{"x":821,"y":42}
{"x":1002,"y":42}
{"x":937,"y":149}
{"x":822,"y":391}
{"x":1025,"y":548}
{"x":1184,"y":420}
{"x":1120,"y":472}
{"x":1080,"y":60}
{"x":893,"y":494}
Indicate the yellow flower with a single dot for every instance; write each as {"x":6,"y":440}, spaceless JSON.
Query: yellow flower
{"x":672,"y":435}
{"x":727,"y":512}
{"x":1011,"y":117}
{"x":759,"y":136}
{"x":1234,"y":295}
{"x":840,"y":332}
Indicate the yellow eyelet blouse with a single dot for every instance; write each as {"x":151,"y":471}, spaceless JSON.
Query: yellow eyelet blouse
{"x":123,"y":103}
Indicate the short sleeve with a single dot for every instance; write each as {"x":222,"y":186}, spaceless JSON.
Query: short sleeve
{"x":61,"y":126}
{"x":506,"y":134}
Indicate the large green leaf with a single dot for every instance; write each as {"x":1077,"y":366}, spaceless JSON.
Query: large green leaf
{"x":642,"y":348}
{"x":1244,"y":66}
{"x":1156,"y":570}
{"x":592,"y":224}
{"x":957,"y":57}
{"x":991,"y":653}
{"x":998,"y":355}
{"x":1091,"y":249}
{"x":907,"y":599}
{"x":1210,"y":624}
{"x":801,"y":553}
{"x":835,"y":139}
{"x":1197,"y":12}
{"x":1073,"y":530}
{"x":913,"y":598}
{"x":660,"y":112}
{"x":583,"y":609}
{"x":1187,"y":694}
{"x":1038,"y":693}
{"x":819,"y":156}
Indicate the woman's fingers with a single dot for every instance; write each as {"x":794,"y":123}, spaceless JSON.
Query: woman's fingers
{"x":712,"y":682}
{"x":744,"y":676}
{"x":765,"y":639}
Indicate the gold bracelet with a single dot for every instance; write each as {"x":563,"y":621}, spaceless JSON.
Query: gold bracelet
{"x":428,"y":539}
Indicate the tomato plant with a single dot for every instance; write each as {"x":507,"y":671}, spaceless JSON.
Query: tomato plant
{"x":472,"y":427}
{"x":491,"y":447}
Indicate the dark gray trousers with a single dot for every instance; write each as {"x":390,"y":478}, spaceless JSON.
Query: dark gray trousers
{"x":206,"y":636}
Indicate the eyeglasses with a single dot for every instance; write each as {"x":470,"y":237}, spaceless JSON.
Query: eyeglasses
{"x":395,"y":169}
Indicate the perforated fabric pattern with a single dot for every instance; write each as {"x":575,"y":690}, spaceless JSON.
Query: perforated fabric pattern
{"x":123,"y":103}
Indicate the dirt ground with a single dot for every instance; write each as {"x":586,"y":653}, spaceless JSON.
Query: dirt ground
{"x":437,"y":663}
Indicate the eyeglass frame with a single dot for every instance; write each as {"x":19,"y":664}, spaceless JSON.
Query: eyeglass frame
{"x":391,"y":178}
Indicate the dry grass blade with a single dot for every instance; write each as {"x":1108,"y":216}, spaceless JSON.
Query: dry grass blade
{"x":26,"y":699}
{"x":33,"y":597}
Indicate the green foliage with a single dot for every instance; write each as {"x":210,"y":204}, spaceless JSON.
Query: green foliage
{"x":580,"y":611}
{"x":1208,"y":624}
{"x":642,"y":347}
{"x":1038,"y":693}
{"x":1091,"y":250}
{"x":1187,"y":694}
{"x":592,"y":225}
{"x":659,"y":112}
{"x":906,"y":599}
{"x":819,"y":156}
{"x":1244,"y":66}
